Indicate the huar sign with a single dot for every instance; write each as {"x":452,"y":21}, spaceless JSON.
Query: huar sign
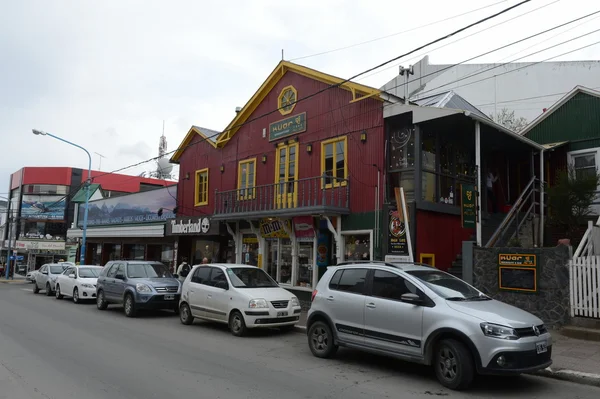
{"x":189,"y":226}
{"x":468,"y":207}
{"x":287,"y":127}
{"x":518,"y":272}
{"x":528,"y":260}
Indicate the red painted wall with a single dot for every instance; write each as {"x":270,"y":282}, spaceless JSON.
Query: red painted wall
{"x":328,"y":114}
{"x":440,"y":234}
{"x":62,"y":176}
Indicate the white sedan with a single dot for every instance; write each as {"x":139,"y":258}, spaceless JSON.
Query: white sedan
{"x":78,"y":282}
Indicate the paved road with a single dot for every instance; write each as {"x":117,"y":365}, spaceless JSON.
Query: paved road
{"x":56,"y":349}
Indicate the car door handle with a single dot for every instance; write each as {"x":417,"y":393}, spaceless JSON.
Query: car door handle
{"x":191,"y":291}
{"x":330,"y":298}
{"x":209,"y":296}
{"x":371,"y":305}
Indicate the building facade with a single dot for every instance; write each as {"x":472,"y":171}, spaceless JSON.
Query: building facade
{"x":41,"y":208}
{"x":295,"y":177}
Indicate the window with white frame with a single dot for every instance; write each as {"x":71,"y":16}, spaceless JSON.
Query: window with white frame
{"x":358,"y":245}
{"x":584,"y":164}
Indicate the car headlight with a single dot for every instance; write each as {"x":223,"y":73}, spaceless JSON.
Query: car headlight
{"x":86,"y":285}
{"x":498,"y":331}
{"x":295,"y":301}
{"x":139,"y":287}
{"x":258,"y":303}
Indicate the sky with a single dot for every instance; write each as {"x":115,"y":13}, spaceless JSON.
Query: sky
{"x":105,"y":74}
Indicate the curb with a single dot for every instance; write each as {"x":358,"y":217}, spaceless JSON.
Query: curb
{"x":18,"y":281}
{"x":571,"y":376}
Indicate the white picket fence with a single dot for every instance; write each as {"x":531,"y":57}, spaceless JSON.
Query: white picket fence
{"x":584,"y":280}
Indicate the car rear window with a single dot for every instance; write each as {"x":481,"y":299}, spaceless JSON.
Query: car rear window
{"x":351,"y":280}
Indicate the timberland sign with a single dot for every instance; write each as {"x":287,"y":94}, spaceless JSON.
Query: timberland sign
{"x":190,"y":226}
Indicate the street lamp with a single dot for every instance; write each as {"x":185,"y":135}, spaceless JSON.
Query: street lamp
{"x":87,"y":187}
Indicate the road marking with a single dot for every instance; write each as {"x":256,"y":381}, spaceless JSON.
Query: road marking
{"x":26,"y":289}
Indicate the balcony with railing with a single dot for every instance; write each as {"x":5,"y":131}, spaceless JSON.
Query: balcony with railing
{"x":314,"y":195}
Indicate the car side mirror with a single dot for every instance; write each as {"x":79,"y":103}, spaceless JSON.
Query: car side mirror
{"x":411,"y":298}
{"x":71,"y":275}
{"x":44,"y":272}
{"x":223,"y":285}
{"x":120,"y":276}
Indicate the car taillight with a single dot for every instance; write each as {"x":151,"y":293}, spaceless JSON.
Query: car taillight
{"x":312,"y":298}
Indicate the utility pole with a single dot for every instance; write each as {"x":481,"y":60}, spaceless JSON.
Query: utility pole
{"x":406,"y":71}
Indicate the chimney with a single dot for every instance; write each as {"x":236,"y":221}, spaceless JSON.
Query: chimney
{"x":238,"y":109}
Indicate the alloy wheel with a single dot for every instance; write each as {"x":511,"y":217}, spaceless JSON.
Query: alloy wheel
{"x":447,"y":363}
{"x":320,"y":339}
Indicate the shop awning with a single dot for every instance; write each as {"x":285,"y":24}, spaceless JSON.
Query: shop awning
{"x":157,"y":230}
{"x":551,"y":146}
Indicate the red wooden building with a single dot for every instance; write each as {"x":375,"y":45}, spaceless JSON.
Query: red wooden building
{"x":294,"y":178}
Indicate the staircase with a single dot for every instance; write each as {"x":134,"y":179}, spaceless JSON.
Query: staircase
{"x":502,"y":230}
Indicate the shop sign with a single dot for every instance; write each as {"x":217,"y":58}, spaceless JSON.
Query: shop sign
{"x":287,"y":127}
{"x":274,"y":228}
{"x":518,"y":272}
{"x":397,"y":241}
{"x":71,"y":253}
{"x":50,"y":207}
{"x":468,"y":208}
{"x":528,"y":260}
{"x":304,"y":226}
{"x":43,"y":245}
{"x":48,"y":252}
{"x":190,"y":226}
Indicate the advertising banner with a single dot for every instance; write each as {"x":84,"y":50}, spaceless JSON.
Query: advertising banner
{"x":133,"y":208}
{"x":46,"y":207}
{"x":304,"y":226}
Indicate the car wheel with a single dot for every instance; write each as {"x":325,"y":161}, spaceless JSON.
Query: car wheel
{"x":185,"y":314}
{"x":453,"y":364}
{"x":36,"y":289}
{"x":58,"y":294}
{"x":75,"y":295}
{"x":237,"y":324}
{"x":100,"y":301}
{"x":48,"y":290}
{"x":320,"y":340}
{"x":129,"y":306}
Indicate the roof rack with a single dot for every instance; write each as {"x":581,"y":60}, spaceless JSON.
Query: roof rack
{"x":381,"y":262}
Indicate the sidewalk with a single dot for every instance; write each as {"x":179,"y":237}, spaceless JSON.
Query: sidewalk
{"x":18,"y":279}
{"x":573,"y":359}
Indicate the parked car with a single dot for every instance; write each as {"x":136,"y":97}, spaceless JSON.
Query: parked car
{"x":137,"y":285}
{"x":31,"y":276}
{"x":78,"y":282}
{"x":241,"y":296}
{"x":424,"y":315}
{"x":45,"y":278}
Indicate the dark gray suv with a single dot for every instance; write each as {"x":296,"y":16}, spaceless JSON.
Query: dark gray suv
{"x":137,"y":285}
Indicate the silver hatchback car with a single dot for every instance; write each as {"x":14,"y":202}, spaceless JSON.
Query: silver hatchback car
{"x":421,"y":314}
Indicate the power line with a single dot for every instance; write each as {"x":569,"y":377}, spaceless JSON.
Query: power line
{"x":397,"y":33}
{"x":330,"y":86}
{"x":462,"y":38}
{"x":494,"y":50}
{"x":518,"y":69}
{"x":530,"y":98}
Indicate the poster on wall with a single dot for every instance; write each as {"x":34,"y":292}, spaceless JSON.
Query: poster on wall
{"x":274,"y":228}
{"x":304,"y":226}
{"x":133,"y":208}
{"x":322,"y":249}
{"x":47,"y":207}
{"x":397,"y":242}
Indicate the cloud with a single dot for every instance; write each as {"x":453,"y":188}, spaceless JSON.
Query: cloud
{"x":137,"y":151}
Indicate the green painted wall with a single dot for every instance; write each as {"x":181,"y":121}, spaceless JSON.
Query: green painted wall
{"x":577,"y":121}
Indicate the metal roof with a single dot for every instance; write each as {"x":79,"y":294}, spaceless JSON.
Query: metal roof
{"x":451,"y":100}
{"x":80,"y":196}
{"x":210,"y":134}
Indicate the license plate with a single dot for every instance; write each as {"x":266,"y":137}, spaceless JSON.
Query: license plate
{"x":280,"y":314}
{"x":169,"y":297}
{"x":541,"y":347}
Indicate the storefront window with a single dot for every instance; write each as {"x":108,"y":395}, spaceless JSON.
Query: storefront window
{"x":357,"y":246}
{"x":406,"y":180}
{"x":42,"y":230}
{"x":306,"y":262}
{"x":285,"y":267}
{"x":272,"y":257}
{"x":402,"y":148}
{"x":167,"y":254}
{"x":205,"y":249}
{"x":429,"y":151}
{"x":44,"y":189}
{"x":250,"y":250}
{"x":134,"y":251}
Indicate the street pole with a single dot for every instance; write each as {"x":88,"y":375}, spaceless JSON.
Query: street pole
{"x":8,"y":220}
{"x":87,"y":188}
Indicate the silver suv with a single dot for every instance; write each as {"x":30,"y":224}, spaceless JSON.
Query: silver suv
{"x":424,"y":315}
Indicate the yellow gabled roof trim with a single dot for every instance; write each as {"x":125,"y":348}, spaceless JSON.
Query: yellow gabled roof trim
{"x":359,"y":92}
{"x":187,"y":141}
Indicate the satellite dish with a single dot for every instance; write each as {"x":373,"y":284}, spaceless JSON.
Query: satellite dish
{"x":164,"y":166}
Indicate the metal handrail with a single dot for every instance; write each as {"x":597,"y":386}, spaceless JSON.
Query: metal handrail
{"x":513,"y":211}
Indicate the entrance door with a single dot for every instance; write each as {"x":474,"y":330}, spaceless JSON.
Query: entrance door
{"x":286,"y":176}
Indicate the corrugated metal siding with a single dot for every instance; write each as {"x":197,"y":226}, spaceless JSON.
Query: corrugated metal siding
{"x":577,"y":119}
{"x":440,"y":234}
{"x":328,"y":115}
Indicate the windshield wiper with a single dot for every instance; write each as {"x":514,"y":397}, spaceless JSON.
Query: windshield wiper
{"x":479,"y":298}
{"x":456,"y":298}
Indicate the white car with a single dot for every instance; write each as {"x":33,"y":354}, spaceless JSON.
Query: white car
{"x":78,"y":282}
{"x":45,"y":278}
{"x":241,"y":296}
{"x":31,"y":276}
